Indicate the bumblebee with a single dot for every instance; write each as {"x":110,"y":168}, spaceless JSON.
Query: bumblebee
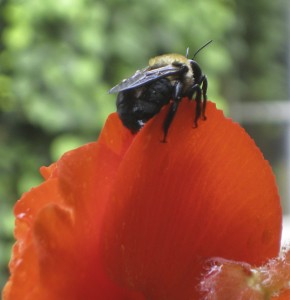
{"x":167,"y":79}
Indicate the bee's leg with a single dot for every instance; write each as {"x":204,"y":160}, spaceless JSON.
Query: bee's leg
{"x":204,"y":96}
{"x":198,"y":109}
{"x":172,"y":109}
{"x":168,"y":120}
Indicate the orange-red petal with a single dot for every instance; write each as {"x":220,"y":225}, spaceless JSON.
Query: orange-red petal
{"x":58,"y":225}
{"x":206,"y":192}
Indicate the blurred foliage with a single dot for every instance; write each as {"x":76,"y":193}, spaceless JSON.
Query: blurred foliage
{"x":58,"y":59}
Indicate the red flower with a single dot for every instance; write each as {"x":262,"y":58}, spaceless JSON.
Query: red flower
{"x":132,"y":218}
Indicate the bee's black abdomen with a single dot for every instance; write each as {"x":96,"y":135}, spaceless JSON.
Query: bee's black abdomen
{"x":125,"y":104}
{"x":136,"y":106}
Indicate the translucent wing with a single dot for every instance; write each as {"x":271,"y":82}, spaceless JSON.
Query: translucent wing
{"x":145,"y":76}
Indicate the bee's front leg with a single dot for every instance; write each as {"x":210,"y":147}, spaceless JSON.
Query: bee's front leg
{"x":195,"y":93}
{"x":204,"y":95}
{"x":177,"y":96}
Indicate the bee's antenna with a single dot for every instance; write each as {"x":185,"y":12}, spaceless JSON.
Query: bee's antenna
{"x":201,"y":48}
{"x":187,"y":50}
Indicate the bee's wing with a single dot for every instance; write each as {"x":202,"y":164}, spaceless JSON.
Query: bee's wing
{"x":145,"y":76}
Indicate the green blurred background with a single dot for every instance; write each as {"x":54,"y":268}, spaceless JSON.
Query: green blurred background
{"x":58,"y":59}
